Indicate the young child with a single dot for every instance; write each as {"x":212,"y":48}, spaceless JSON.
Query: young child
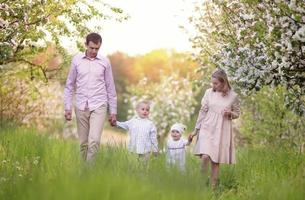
{"x":142,"y":131}
{"x":176,"y":146}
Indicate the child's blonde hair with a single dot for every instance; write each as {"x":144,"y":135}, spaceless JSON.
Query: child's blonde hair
{"x":145,"y":102}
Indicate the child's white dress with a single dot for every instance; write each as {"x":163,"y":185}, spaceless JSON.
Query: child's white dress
{"x":143,"y":135}
{"x":176,"y":152}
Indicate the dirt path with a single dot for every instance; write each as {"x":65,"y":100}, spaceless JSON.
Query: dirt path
{"x":109,"y":136}
{"x":113,"y":138}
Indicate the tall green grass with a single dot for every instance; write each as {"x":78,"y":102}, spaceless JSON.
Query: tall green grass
{"x":35,"y":166}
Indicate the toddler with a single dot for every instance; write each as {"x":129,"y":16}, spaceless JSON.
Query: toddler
{"x":142,"y":132}
{"x":176,"y":146}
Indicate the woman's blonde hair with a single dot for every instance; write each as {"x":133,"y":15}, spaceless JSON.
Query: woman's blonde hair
{"x":222,"y":77}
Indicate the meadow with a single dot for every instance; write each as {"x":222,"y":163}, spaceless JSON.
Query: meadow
{"x":38,"y":166}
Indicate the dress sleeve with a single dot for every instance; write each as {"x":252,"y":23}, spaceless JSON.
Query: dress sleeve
{"x":203,"y":110}
{"x":235,"y":108}
{"x":186,"y":142}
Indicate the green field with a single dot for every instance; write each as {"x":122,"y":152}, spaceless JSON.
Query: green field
{"x":36,"y":166}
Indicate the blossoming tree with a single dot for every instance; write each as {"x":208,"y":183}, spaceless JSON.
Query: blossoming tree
{"x":27,"y":26}
{"x":258,"y":42}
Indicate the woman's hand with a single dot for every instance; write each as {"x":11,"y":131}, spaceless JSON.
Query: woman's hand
{"x":192,"y":135}
{"x":190,"y":138}
{"x":227,"y":113}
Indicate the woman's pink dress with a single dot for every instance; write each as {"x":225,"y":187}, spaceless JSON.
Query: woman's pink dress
{"x":216,"y":137}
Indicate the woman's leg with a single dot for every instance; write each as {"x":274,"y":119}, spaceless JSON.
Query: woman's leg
{"x":214,"y":173}
{"x":205,"y":160}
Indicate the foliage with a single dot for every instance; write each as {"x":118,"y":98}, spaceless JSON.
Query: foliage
{"x":27,"y":26}
{"x":129,"y":70}
{"x":258,"y":42}
{"x":123,"y":73}
{"x":36,"y":166}
{"x":33,"y":103}
{"x":172,"y":101}
{"x":266,"y":121}
{"x":162,"y":62}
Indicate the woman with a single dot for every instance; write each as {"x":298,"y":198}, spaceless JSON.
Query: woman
{"x":215,"y":143}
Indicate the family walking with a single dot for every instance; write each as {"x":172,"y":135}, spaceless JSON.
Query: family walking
{"x":90,"y":79}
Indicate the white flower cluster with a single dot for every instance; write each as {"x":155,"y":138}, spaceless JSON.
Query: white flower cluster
{"x":18,"y":170}
{"x":259,"y":45}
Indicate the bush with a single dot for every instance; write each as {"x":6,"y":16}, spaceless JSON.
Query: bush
{"x":267,"y":121}
{"x":29,"y":102}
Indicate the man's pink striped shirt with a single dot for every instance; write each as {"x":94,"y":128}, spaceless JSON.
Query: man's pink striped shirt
{"x":92,"y":81}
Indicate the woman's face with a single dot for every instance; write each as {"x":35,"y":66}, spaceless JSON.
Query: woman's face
{"x":216,"y":84}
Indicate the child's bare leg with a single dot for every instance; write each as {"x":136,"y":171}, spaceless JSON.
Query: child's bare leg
{"x":214,"y":173}
{"x":143,"y":158}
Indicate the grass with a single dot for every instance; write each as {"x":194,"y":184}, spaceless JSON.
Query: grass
{"x":35,"y":166}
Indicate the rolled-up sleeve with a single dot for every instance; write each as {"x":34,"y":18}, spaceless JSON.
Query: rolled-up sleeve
{"x":110,"y":88}
{"x":203,"y":110}
{"x":235,"y":108}
{"x":70,"y":85}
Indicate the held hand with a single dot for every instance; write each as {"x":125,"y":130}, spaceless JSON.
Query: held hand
{"x":190,"y":138}
{"x":68,"y":115}
{"x":112,"y":120}
{"x":155,"y":153}
{"x":192,"y":135}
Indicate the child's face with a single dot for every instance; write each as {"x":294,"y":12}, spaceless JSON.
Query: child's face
{"x":143,"y":110}
{"x":175,"y":135}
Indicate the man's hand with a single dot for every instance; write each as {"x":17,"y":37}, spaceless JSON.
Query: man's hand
{"x":112,"y":119}
{"x":68,"y":115}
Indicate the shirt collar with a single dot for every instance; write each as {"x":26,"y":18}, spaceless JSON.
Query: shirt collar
{"x":98,"y":56}
{"x":137,"y":117}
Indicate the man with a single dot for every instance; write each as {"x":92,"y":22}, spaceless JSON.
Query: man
{"x":91,"y":77}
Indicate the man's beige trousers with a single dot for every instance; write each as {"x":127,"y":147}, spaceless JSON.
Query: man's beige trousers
{"x":89,"y":128}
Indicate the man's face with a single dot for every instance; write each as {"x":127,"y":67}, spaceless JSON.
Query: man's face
{"x":143,"y":110}
{"x":92,"y":49}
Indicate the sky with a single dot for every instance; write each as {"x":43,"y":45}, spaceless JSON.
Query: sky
{"x":153,"y":24}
